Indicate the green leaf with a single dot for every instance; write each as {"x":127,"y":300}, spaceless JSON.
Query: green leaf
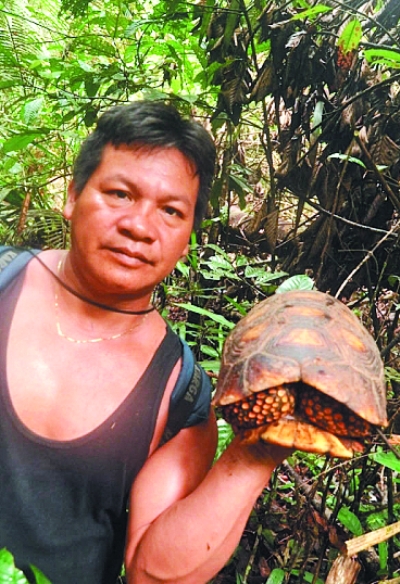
{"x":384,"y":56}
{"x":316,"y":121}
{"x":391,"y":374}
{"x":393,"y":280}
{"x":231,"y":23}
{"x":211,"y":365}
{"x":206,"y":15}
{"x":9,"y":574}
{"x":347,"y":158}
{"x":31,"y":110}
{"x":183,"y":268}
{"x":209,"y":351}
{"x":383,"y":554}
{"x":300,"y":282}
{"x":40,"y":577}
{"x":311,"y":13}
{"x":239,"y":185}
{"x":215,"y":262}
{"x":20,"y":141}
{"x":277,"y":576}
{"x":203,"y":312}
{"x":239,"y":307}
{"x":350,"y":38}
{"x":388,"y":459}
{"x":253,"y":272}
{"x":87,"y":67}
{"x":350,"y":521}
{"x":4,"y":193}
{"x":261,"y":275}
{"x":225,"y":436}
{"x":218,"y":250}
{"x":377,"y":520}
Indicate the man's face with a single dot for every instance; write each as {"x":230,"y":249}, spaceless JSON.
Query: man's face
{"x":132,"y":221}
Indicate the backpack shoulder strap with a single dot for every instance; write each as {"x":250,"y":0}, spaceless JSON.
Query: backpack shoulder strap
{"x":12,"y":261}
{"x":186,"y":393}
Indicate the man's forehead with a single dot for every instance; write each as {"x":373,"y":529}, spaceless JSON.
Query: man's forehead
{"x":140,"y":150}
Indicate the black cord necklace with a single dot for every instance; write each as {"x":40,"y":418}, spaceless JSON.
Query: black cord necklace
{"x":83,"y":298}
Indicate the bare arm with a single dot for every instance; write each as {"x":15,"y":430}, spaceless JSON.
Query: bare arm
{"x":186,"y":520}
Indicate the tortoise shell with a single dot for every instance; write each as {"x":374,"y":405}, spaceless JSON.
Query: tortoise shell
{"x":300,"y":370}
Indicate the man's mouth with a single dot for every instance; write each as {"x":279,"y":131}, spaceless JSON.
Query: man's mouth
{"x":132,"y":256}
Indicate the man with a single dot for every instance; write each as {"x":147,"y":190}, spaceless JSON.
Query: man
{"x":88,"y":369}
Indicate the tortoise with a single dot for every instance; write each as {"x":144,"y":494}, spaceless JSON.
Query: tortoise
{"x":300,"y":370}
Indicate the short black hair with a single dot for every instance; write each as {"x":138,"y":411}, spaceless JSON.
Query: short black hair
{"x":150,"y":124}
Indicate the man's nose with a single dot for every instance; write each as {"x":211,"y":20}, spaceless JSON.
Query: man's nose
{"x":139,"y":222}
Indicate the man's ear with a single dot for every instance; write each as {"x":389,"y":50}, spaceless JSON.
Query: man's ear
{"x":71,"y":199}
{"x":185,"y":252}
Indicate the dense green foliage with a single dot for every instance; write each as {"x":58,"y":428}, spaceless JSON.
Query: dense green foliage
{"x":302,"y":99}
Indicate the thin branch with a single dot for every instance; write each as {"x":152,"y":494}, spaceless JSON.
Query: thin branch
{"x":367,"y":257}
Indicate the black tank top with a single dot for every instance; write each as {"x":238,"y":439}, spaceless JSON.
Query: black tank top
{"x":63,"y":504}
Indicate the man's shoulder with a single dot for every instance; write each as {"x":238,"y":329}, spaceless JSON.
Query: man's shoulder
{"x":12,"y":261}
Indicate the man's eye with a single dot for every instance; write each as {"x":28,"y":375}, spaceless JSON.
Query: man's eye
{"x":173,"y":212}
{"x":118,"y":194}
